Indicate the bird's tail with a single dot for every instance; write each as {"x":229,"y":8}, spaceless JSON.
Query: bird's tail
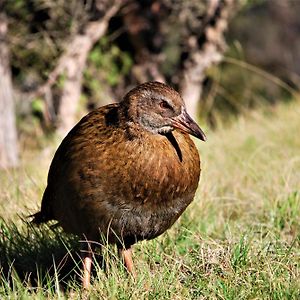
{"x":45,"y":214}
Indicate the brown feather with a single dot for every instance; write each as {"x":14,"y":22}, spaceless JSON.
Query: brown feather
{"x":111,"y":176}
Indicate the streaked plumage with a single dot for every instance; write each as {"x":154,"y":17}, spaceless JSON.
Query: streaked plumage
{"x":125,"y":170}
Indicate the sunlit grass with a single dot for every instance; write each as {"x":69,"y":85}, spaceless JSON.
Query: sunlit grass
{"x":240,"y":239}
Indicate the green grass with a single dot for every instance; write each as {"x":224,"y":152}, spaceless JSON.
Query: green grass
{"x":240,"y":239}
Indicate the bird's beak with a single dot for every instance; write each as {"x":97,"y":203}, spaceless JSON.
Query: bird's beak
{"x":186,"y":124}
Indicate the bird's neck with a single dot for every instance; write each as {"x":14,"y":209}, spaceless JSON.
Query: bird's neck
{"x":129,"y":120}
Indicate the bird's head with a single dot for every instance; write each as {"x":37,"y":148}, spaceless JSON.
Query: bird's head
{"x":160,"y":109}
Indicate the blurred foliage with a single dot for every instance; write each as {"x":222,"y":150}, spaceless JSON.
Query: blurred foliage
{"x":261,"y":66}
{"x":37,"y":30}
{"x":37,"y":106}
{"x":235,"y":87}
{"x":186,"y":22}
{"x":264,"y":34}
{"x":106,"y":63}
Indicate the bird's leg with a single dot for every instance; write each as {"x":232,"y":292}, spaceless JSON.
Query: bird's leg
{"x":126,"y":255}
{"x":87,"y":255}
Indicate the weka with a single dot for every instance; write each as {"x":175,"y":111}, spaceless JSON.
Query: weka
{"x":126,"y":171}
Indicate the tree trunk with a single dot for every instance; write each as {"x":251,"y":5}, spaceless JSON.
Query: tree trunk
{"x":203,"y":56}
{"x":71,"y":65}
{"x":8,"y":132}
{"x":138,"y":19}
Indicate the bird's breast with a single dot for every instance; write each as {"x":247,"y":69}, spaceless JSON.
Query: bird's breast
{"x":164,"y":169}
{"x":161,"y":184}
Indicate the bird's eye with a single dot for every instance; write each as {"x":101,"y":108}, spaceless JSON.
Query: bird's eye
{"x":165,"y":105}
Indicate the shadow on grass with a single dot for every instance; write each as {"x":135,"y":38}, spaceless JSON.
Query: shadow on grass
{"x":37,"y":256}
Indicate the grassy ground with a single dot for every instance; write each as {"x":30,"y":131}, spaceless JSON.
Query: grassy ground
{"x":240,"y":239}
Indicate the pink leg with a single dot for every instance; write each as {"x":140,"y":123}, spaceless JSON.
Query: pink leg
{"x":87,"y":267}
{"x":126,"y":255}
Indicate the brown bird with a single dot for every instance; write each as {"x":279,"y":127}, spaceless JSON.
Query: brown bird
{"x":126,"y":171}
